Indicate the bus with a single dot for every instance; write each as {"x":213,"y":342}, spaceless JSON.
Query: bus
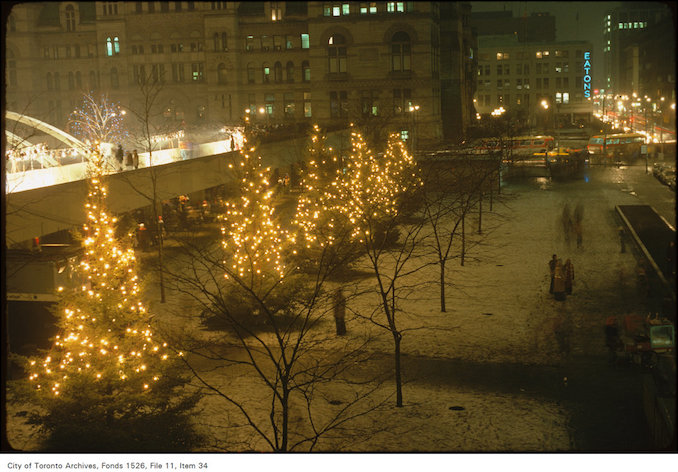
{"x":519,"y":145}
{"x":627,"y":145}
{"x":528,"y":145}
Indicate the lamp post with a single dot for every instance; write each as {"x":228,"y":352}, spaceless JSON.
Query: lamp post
{"x":414,"y":109}
{"x":545,"y":105}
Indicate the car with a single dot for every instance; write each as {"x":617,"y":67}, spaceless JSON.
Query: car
{"x":668,"y":177}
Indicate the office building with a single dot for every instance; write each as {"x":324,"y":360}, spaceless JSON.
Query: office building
{"x":520,"y":76}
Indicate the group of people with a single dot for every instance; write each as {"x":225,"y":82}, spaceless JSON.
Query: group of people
{"x":562,"y":278}
{"x":128,"y":160}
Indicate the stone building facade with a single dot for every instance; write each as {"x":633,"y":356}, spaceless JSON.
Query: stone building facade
{"x":410,"y":65}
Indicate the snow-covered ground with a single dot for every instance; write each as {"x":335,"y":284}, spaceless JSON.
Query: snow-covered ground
{"x":489,"y":373}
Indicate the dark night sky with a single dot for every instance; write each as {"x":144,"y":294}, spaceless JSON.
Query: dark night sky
{"x":589,"y":27}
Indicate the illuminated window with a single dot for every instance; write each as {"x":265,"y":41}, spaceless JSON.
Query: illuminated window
{"x":276,"y":11}
{"x":500,"y":56}
{"x":288,"y":105}
{"x":197,"y":71}
{"x":566,"y":97}
{"x":305,"y":42}
{"x":307,"y":104}
{"x":538,"y":55}
{"x":267,"y":73}
{"x":305,"y":71}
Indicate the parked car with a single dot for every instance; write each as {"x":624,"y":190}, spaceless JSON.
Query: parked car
{"x":668,"y":177}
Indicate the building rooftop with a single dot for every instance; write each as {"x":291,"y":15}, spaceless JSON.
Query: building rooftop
{"x":511,"y":40}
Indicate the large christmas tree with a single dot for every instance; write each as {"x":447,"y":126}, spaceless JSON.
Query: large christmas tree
{"x":108,"y":384}
{"x":251,"y":235}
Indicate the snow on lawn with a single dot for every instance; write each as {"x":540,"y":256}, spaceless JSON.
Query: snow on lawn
{"x":499,"y":312}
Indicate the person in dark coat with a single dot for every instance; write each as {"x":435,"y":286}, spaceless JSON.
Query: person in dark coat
{"x":135,"y":159}
{"x":340,"y":311}
{"x":568,"y":269}
{"x":559,"y":282}
{"x":120,"y":156}
{"x":552,"y":270}
{"x":129,"y":160}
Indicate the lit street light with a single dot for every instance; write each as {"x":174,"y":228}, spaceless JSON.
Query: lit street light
{"x":414,"y":109}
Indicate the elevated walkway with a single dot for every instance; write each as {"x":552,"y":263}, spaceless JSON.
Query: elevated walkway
{"x":48,"y":209}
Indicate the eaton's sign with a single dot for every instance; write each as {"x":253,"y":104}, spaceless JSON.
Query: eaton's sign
{"x":587,"y":74}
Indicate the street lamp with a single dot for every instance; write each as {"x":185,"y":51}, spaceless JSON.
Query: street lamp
{"x":414,"y":109}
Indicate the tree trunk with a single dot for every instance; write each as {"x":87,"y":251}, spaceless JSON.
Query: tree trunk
{"x":285,"y":418}
{"x":463,"y":238}
{"x":442,"y":286}
{"x":398,"y":375}
{"x":480,"y":214}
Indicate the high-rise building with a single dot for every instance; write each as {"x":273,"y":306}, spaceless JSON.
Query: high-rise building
{"x":407,"y":63}
{"x":630,"y":34}
{"x":519,"y":76}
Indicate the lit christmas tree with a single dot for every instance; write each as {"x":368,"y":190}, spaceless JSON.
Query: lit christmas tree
{"x":372,"y":189}
{"x":108,"y":383}
{"x":314,"y":217}
{"x":98,"y":121}
{"x":250,"y":235}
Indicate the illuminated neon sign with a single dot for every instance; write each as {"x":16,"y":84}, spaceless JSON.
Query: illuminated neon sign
{"x":587,"y":74}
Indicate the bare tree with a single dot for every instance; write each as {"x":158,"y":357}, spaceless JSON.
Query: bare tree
{"x":452,"y":188}
{"x":274,"y":325}
{"x":371,"y":198}
{"x":146,"y":113}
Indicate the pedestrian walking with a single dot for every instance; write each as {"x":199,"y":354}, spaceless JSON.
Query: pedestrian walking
{"x":119,"y":156}
{"x":135,"y":159}
{"x":232,"y":143}
{"x":568,"y":268}
{"x":578,"y":219}
{"x":552,"y":270}
{"x":162,"y":234}
{"x":129,"y":160}
{"x":559,"y":282}
{"x":566,"y":221}
{"x":340,"y":311}
{"x":142,"y":237}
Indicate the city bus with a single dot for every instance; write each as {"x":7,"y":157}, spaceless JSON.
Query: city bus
{"x":520,"y":145}
{"x":625,"y":145}
{"x":528,"y":145}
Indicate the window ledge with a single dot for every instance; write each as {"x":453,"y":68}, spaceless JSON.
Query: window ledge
{"x":337,"y":76}
{"x":400,"y":74}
